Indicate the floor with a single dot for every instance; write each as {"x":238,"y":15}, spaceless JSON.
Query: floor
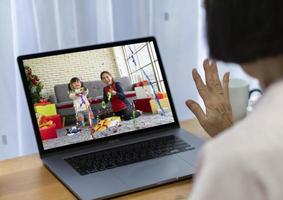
{"x":144,"y":121}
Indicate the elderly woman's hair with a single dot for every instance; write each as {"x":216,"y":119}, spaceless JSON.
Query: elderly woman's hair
{"x":244,"y":30}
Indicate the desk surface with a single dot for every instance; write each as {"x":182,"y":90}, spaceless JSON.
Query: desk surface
{"x":26,"y":178}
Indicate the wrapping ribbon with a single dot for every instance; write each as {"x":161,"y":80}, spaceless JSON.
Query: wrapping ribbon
{"x":150,"y":83}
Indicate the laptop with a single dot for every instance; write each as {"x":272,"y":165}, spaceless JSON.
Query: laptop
{"x":96,"y":147}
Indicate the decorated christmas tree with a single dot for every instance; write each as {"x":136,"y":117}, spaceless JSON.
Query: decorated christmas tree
{"x":34,"y":84}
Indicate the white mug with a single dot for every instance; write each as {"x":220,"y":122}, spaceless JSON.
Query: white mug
{"x":239,"y":97}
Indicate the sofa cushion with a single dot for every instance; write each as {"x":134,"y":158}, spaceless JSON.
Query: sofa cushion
{"x":125,"y":83}
{"x":62,"y":92}
{"x":95,"y":88}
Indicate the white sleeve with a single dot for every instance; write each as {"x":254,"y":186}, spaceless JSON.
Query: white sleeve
{"x":225,"y":178}
{"x":72,"y":95}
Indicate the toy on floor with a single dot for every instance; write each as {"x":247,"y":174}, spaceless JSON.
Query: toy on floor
{"x":73,"y":131}
{"x":111,"y":124}
{"x":134,"y":117}
{"x":105,"y":111}
{"x":95,"y":120}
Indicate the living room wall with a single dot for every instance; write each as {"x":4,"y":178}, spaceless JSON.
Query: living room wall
{"x":29,"y":27}
{"x":85,"y":65}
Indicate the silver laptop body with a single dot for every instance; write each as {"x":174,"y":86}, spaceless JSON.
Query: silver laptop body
{"x":156,"y":169}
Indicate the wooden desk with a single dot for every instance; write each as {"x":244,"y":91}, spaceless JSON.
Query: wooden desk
{"x":27,"y":178}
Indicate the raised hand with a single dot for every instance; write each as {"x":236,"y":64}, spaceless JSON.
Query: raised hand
{"x":218,"y":115}
{"x":113,"y":92}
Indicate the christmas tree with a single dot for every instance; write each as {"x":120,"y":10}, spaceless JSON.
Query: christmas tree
{"x":34,"y":84}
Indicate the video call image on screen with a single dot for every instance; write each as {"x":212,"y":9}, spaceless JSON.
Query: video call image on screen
{"x":93,"y":94}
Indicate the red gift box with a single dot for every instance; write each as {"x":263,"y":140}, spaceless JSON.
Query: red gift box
{"x":143,"y":104}
{"x":159,"y":95}
{"x":141,"y":83}
{"x":42,"y":102}
{"x":48,"y":133}
{"x":56,"y":119}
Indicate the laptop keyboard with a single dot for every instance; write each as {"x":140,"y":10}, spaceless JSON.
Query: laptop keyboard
{"x":128,"y":154}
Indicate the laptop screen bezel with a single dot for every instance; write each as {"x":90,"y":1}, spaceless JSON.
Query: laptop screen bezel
{"x":150,"y":130}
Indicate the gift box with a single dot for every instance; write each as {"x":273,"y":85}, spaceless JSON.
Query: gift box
{"x":161,"y":95}
{"x":56,"y":119}
{"x":163,"y":102}
{"x":144,"y":92}
{"x":48,"y":132}
{"x":106,"y":123}
{"x":47,"y":109}
{"x":143,"y":104}
{"x":164,"y":95}
{"x":42,"y":102}
{"x":141,"y":83}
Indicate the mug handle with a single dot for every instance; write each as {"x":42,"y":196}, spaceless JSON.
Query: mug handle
{"x":254,"y":90}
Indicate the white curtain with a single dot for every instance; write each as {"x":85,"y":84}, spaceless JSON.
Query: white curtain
{"x":30,"y":26}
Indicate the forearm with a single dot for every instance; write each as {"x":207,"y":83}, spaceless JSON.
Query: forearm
{"x":120,"y":92}
{"x":121,"y":95}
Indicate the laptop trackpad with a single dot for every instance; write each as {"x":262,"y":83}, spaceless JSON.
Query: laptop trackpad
{"x":153,"y":171}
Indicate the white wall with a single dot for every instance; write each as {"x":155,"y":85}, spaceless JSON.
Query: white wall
{"x":33,"y":26}
{"x":175,"y":25}
{"x":8,"y":103}
{"x":61,"y":68}
{"x":130,"y":18}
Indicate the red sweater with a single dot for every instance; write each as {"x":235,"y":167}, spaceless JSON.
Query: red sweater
{"x":117,"y":102}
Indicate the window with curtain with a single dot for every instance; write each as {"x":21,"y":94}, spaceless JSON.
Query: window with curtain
{"x":142,"y":64}
{"x":31,"y":26}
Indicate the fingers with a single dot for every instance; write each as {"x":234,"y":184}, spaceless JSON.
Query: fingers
{"x":226,"y":84}
{"x":196,"y":109}
{"x":211,"y":75}
{"x":201,"y":87}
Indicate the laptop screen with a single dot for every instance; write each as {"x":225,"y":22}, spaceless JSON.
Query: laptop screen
{"x":89,"y":94}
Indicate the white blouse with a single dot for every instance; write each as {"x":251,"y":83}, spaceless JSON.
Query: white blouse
{"x":245,"y":162}
{"x":81,"y":103}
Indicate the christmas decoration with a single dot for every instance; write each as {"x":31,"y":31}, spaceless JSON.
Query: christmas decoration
{"x":34,"y":84}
